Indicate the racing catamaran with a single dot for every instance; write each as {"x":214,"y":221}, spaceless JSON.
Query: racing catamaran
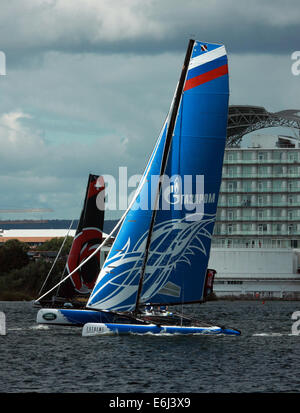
{"x":161,"y":252}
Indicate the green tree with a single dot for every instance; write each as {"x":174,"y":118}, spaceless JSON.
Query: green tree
{"x":13,"y":255}
{"x":25,"y":283}
{"x":54,"y":244}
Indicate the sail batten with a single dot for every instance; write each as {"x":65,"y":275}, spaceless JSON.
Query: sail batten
{"x":170,"y":246}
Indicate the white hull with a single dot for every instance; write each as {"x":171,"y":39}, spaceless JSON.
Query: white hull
{"x":95,"y":329}
{"x":70,"y":317}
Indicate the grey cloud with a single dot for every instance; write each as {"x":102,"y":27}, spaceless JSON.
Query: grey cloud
{"x":32,"y":28}
{"x":97,"y":78}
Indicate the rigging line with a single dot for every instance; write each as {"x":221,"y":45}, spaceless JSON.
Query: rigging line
{"x":168,"y":141}
{"x":62,"y":274}
{"x":56,"y":258}
{"x":58,"y":254}
{"x":143,"y":180}
{"x":87,"y":259}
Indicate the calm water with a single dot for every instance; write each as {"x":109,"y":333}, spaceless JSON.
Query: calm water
{"x":265,"y":358}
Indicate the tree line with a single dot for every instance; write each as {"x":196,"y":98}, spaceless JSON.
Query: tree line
{"x":22,"y":277}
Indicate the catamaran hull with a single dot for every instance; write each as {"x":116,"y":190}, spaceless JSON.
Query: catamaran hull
{"x":69,"y":317}
{"x":94,"y":329}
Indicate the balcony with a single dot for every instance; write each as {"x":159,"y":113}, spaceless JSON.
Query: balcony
{"x":260,"y":219}
{"x":256,"y":233}
{"x":260,"y":161}
{"x":226,"y":175}
{"x":259,"y":190}
{"x":258,"y":204}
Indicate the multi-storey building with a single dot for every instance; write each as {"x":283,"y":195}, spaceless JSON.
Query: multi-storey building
{"x":259,"y":201}
{"x":256,"y":242}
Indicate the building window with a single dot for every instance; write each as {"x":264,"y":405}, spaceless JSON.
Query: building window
{"x":293,"y":156}
{"x":246,"y":202}
{"x":276,"y":213}
{"x":247,"y":186}
{"x":230,"y":157}
{"x":232,"y":171}
{"x":217,"y":229}
{"x":293,"y":185}
{"x":247,"y":155}
{"x":232,"y":186}
{"x":293,"y":171}
{"x":262,"y":228}
{"x":277,"y":200}
{"x":277,"y":185}
{"x":277,"y":170}
{"x":223,"y":242}
{"x":277,"y":156}
{"x":235,"y":282}
{"x":247,"y":171}
{"x":263,"y":171}
{"x":277,"y":228}
{"x":229,"y":243}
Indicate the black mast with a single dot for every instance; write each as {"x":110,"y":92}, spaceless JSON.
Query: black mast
{"x":167,"y":146}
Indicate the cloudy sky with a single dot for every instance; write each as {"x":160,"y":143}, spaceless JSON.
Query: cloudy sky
{"x":89,"y":82}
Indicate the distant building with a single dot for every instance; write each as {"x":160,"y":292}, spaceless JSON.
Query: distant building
{"x":34,"y":237}
{"x":256,"y":241}
{"x":256,"y":273}
{"x":259,"y":201}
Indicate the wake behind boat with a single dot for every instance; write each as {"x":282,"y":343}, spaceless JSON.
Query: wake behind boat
{"x":160,"y":254}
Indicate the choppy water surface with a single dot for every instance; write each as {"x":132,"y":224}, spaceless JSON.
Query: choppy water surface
{"x":265,"y":358}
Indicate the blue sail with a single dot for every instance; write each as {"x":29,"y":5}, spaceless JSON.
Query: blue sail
{"x":116,"y":286}
{"x":170,"y":247}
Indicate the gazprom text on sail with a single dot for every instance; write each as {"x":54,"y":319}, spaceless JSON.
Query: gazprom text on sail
{"x":195,"y":198}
